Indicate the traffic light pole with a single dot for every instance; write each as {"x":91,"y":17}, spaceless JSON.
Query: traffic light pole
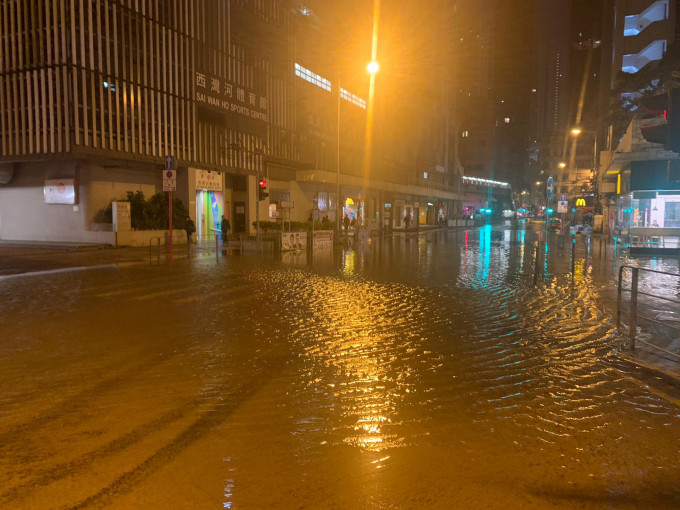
{"x":257,"y":213}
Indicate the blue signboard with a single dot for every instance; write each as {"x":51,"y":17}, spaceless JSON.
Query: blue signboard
{"x":549,"y":188}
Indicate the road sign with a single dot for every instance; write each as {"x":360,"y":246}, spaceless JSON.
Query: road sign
{"x":562,"y":206}
{"x":170,"y":163}
{"x":549,"y":188}
{"x":563,"y":197}
{"x":169,"y":180}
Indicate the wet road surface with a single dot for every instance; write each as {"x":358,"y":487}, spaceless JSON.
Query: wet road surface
{"x":423,"y":372}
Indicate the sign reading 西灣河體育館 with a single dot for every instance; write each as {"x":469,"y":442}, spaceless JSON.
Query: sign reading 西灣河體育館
{"x":225,"y":96}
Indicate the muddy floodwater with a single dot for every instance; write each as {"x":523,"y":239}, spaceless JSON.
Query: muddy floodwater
{"x":422,"y":371}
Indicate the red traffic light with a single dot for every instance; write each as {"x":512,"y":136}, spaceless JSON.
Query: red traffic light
{"x":263,"y":183}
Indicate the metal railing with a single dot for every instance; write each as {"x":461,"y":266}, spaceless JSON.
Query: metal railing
{"x":159,"y":245}
{"x":634,"y":312}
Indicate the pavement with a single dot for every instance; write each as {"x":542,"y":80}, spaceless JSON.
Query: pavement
{"x":19,"y":258}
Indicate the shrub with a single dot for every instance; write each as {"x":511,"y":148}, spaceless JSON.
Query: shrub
{"x":268,"y":226}
{"x":151,"y":214}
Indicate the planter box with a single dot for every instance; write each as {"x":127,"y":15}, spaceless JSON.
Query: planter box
{"x":143,"y":237}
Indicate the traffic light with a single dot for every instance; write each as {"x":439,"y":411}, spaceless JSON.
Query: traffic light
{"x":667,"y":105}
{"x":262,"y":191}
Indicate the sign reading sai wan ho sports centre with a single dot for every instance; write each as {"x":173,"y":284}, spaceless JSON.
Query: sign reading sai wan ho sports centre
{"x":227,"y":97}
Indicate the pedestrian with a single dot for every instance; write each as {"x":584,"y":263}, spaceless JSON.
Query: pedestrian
{"x":407,"y":220}
{"x":225,"y":227}
{"x":190,"y":228}
{"x":345,"y":222}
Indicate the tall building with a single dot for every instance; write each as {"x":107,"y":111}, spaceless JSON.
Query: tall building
{"x":474,"y":101}
{"x":638,"y":174}
{"x":550,"y":91}
{"x":96,"y":94}
{"x":635,"y":33}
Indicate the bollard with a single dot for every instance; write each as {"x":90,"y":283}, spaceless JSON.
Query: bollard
{"x":536,"y":266}
{"x":618,"y":299}
{"x":633,"y":307}
{"x":217,"y":250}
{"x":573,"y":259}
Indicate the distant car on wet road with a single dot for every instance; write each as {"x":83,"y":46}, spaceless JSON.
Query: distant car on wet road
{"x":555,"y":224}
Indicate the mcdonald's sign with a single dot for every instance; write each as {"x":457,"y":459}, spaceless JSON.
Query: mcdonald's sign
{"x":580,"y":202}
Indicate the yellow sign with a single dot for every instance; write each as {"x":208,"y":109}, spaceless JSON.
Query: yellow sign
{"x":580,"y":202}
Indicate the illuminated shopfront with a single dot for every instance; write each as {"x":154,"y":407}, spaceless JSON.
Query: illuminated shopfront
{"x":654,"y":209}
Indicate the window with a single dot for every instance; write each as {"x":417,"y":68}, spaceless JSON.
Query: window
{"x":633,"y":62}
{"x":636,"y":23}
{"x":311,"y":77}
{"x":352,"y":98}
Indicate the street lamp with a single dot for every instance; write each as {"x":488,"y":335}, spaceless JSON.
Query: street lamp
{"x":372,"y":68}
{"x":576,"y":131}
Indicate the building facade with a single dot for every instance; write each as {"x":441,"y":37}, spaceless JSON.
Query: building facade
{"x":637,"y":178}
{"x":96,"y":94}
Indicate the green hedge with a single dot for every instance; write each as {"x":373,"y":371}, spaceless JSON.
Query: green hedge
{"x":295,"y":226}
{"x":151,"y":214}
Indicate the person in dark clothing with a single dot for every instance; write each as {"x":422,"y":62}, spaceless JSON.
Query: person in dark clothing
{"x":226,"y":227}
{"x":190,"y":228}
{"x":345,"y":222}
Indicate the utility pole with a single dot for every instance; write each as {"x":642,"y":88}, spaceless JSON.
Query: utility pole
{"x":337,"y":165}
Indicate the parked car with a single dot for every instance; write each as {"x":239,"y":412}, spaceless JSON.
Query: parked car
{"x":555,"y":224}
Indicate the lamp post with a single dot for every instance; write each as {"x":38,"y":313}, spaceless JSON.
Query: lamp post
{"x":372,"y":68}
{"x":577,"y":131}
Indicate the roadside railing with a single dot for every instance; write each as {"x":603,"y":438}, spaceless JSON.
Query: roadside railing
{"x":641,"y":300}
{"x":203,"y":245}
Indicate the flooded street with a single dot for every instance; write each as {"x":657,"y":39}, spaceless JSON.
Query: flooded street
{"x":424,"y":371}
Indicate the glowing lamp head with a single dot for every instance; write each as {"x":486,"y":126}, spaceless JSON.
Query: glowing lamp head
{"x":373,"y":67}
{"x":576,"y":131}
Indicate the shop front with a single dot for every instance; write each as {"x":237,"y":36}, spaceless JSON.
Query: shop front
{"x":210,"y":204}
{"x":354,"y":210}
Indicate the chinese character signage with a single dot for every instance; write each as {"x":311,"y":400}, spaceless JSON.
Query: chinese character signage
{"x":209,"y":181}
{"x":220,"y":94}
